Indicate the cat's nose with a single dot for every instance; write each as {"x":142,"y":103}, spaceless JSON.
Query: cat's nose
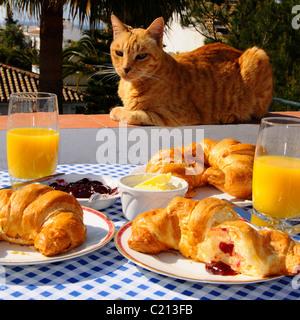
{"x":126,"y":70}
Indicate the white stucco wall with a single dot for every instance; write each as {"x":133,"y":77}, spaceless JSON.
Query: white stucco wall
{"x":82,"y":145}
{"x":178,"y":39}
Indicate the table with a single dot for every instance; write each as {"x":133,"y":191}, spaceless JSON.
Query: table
{"x":106,"y":274}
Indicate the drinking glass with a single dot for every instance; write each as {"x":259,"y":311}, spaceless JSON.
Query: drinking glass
{"x":32,"y":135}
{"x":276,"y":174}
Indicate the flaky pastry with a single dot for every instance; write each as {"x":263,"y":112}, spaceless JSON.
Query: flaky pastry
{"x":181,"y":162}
{"x":211,"y":231}
{"x":227,"y":165}
{"x":50,"y":220}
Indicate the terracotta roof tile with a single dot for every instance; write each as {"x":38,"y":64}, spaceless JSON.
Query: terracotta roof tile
{"x":17,"y":80}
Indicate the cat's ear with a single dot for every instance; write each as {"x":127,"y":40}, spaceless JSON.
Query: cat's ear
{"x":118,"y":26}
{"x":156,"y":30}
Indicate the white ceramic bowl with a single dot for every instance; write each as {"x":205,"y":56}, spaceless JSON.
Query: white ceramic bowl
{"x":135,"y":201}
{"x":97,"y":204}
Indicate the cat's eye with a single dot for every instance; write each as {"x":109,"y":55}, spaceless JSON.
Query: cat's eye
{"x":141,"y":56}
{"x":119,"y":53}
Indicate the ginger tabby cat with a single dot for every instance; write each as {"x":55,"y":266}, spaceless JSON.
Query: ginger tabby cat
{"x":212,"y":84}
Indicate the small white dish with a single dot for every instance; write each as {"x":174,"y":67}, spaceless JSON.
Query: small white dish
{"x":136,"y":201}
{"x":98,"y":204}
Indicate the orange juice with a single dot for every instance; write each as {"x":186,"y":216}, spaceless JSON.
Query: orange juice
{"x":276,"y":186}
{"x":259,"y":222}
{"x":32,"y":152}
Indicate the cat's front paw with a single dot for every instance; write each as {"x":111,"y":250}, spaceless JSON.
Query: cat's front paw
{"x":116,"y":113}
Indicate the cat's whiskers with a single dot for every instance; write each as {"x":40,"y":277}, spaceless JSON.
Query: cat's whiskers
{"x":110,"y":77}
{"x":107,"y":71}
{"x":109,"y":74}
{"x":152,"y":76}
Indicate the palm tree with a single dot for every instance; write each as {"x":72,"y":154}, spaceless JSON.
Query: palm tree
{"x":50,"y":13}
{"x":8,"y":9}
{"x":90,"y":58}
{"x":51,"y":37}
{"x":81,"y":56}
{"x":133,"y":12}
{"x":136,"y":13}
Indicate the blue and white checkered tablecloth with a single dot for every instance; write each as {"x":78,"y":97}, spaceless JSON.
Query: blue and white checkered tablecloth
{"x":106,"y":274}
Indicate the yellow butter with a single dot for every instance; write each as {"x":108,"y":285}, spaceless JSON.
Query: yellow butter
{"x":157,"y":183}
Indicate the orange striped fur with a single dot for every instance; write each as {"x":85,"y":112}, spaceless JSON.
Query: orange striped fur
{"x":212,"y":84}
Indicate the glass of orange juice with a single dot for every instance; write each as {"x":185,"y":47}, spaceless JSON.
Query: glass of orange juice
{"x":32,"y":135}
{"x":276,"y":174}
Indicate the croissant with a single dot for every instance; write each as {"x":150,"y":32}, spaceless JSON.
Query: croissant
{"x":181,"y":162}
{"x":177,"y":225}
{"x":37,"y":215}
{"x":251,"y":252}
{"x":230,"y":166}
{"x":211,"y":231}
{"x":227,"y":165}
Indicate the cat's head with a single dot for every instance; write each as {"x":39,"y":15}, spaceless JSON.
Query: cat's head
{"x":136,"y":53}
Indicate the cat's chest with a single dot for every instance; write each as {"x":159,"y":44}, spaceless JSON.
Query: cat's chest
{"x":130,"y":93}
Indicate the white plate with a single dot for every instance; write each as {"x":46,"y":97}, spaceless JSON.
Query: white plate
{"x":100,"y":231}
{"x":173,"y":264}
{"x":98,"y":204}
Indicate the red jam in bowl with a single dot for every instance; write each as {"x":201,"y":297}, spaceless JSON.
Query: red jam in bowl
{"x":83,"y":188}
